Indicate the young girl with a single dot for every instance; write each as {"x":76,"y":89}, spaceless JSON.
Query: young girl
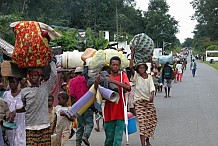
{"x":17,"y":136}
{"x":144,"y":105}
{"x":64,"y":123}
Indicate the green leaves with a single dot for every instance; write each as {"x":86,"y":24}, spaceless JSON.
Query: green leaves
{"x":5,"y":31}
{"x":206,"y":14}
{"x":212,"y":47}
{"x":71,"y":40}
{"x":159,"y":25}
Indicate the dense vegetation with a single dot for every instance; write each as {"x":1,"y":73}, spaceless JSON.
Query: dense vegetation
{"x":117,"y":16}
{"x":206,"y":32}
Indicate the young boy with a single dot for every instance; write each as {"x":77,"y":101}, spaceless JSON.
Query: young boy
{"x":63,"y":127}
{"x":114,"y":112}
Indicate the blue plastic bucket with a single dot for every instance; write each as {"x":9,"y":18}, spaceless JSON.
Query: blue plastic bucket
{"x":132,"y":125}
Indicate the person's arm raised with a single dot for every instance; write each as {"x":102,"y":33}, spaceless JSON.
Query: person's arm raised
{"x":131,"y":61}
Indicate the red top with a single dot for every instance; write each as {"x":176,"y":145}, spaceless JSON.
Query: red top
{"x":78,"y":87}
{"x":113,"y":111}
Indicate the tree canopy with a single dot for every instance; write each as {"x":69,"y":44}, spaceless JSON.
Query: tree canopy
{"x":206,"y":14}
{"x":115,"y":16}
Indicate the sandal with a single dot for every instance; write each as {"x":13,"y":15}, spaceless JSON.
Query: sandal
{"x":96,"y":129}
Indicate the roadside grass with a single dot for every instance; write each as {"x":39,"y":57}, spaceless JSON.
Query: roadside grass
{"x":214,"y":64}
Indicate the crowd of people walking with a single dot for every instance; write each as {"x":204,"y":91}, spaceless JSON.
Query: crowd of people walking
{"x":28,"y":104}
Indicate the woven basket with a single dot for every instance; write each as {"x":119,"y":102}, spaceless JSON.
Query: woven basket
{"x":9,"y":69}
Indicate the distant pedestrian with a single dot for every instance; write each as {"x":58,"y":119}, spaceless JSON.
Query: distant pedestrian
{"x":167,"y":76}
{"x":179,"y":68}
{"x":193,"y":67}
{"x":184,"y":64}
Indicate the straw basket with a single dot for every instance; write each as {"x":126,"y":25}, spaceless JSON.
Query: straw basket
{"x":12,"y":70}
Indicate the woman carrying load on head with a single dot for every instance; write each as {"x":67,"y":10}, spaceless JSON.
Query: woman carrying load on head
{"x":143,"y":97}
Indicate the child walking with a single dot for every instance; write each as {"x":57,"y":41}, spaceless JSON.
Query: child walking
{"x":63,"y":127}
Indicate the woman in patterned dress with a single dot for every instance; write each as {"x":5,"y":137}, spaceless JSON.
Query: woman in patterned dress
{"x":143,"y":97}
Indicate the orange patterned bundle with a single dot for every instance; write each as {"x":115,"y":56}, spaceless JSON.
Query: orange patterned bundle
{"x":31,"y":48}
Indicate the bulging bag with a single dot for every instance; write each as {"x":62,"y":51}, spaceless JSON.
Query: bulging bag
{"x":144,"y":47}
{"x":97,"y":60}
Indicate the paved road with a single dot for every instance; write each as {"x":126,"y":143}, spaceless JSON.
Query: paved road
{"x":188,"y":118}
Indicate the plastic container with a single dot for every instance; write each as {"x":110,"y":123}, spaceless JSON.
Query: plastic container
{"x":132,"y":125}
{"x":72,"y":59}
{"x":89,"y":52}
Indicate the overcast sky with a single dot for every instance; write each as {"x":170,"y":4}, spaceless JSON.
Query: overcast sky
{"x":182,"y":11}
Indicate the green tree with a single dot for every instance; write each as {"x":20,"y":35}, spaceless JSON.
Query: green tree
{"x":159,"y":25}
{"x":212,"y":47}
{"x":206,"y":14}
{"x":5,"y":31}
{"x":188,"y":42}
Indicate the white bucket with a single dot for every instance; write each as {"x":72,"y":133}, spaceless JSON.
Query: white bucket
{"x":72,"y":59}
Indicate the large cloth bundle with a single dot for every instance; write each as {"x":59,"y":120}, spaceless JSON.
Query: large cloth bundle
{"x":31,"y":46}
{"x":102,"y":57}
{"x":144,"y":47}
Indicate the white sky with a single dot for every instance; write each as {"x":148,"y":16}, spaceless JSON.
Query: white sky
{"x":182,"y":11}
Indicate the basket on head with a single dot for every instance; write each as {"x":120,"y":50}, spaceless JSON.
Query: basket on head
{"x":9,"y":69}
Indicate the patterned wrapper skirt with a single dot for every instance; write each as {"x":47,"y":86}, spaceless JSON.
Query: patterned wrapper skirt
{"x":147,"y":117}
{"x":38,"y":137}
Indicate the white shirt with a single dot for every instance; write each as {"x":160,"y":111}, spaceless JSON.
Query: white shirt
{"x":179,"y":68}
{"x":143,"y":87}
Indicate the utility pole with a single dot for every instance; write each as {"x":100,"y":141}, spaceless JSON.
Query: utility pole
{"x":116,"y":19}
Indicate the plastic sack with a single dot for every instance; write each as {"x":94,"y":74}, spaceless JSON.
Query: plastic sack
{"x":97,"y":60}
{"x":166,"y":58}
{"x":111,"y":53}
